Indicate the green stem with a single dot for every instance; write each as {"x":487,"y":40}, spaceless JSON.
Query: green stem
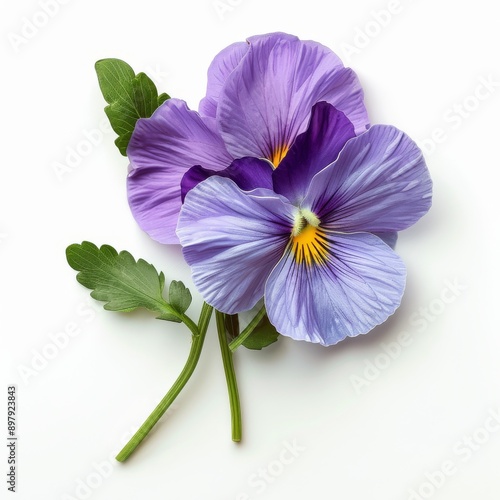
{"x":190,"y":323}
{"x":194,"y":355}
{"x":168,"y":310}
{"x":204,"y":319}
{"x":248,"y":330}
{"x":232,"y":387}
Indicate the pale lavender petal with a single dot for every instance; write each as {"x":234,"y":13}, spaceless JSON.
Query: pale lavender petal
{"x":218,"y":71}
{"x":267,"y":100}
{"x":378,"y":184}
{"x":162,"y":149}
{"x":388,"y":238}
{"x":358,"y":288}
{"x":327,"y":133}
{"x":232,"y":240}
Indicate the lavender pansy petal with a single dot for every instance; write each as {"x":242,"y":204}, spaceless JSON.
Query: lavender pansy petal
{"x":378,"y":184}
{"x":232,"y":240}
{"x":162,"y":149}
{"x":218,"y":71}
{"x":222,"y":66}
{"x":266,"y":101}
{"x":269,"y":36}
{"x":359,"y":287}
{"x":328,"y":131}
{"x":388,"y":238}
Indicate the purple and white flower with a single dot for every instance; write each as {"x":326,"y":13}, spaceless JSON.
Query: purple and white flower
{"x":308,"y":236}
{"x":259,"y":99}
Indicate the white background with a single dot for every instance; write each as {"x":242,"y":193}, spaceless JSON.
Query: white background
{"x":355,"y":440}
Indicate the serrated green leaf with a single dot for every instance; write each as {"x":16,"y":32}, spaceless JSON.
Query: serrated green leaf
{"x":129,"y":96}
{"x":179,"y":296}
{"x":120,"y":281}
{"x":169,"y":317}
{"x":264,"y":334}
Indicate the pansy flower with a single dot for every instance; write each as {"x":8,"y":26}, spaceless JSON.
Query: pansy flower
{"x":259,"y":99}
{"x":304,"y":235}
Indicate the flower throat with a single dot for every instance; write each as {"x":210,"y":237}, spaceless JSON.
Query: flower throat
{"x":308,"y":241}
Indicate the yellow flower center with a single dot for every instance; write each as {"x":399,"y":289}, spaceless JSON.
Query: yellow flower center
{"x":278,"y":154}
{"x":309,"y":243}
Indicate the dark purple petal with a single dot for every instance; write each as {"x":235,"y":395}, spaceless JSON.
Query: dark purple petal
{"x":378,"y":184}
{"x":218,"y":71}
{"x":194,"y":176}
{"x":356,"y":289}
{"x":162,"y":149}
{"x":232,"y":240}
{"x":248,"y":173}
{"x":327,"y":133}
{"x":267,"y":100}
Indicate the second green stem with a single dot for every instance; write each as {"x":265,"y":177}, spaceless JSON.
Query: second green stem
{"x":198,"y":337}
{"x":232,"y":387}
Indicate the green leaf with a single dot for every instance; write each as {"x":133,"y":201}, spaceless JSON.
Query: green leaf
{"x":129,"y":96}
{"x":264,"y":334}
{"x":162,"y":98}
{"x":124,"y":284}
{"x":179,"y":296}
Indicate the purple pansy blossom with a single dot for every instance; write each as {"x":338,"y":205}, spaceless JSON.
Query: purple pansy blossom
{"x":305,"y":238}
{"x":259,"y":99}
